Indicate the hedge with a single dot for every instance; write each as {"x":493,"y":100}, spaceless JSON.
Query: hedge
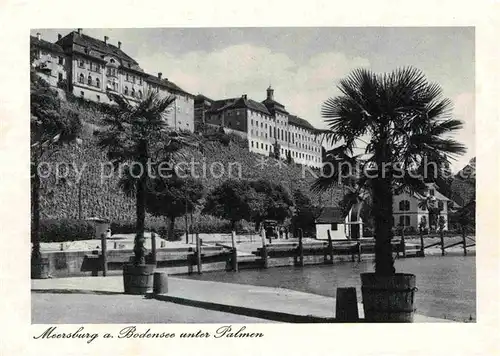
{"x":61,"y":230}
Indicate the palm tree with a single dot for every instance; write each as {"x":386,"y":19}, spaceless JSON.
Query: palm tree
{"x":139,"y":141}
{"x":396,"y":119}
{"x":429,"y":203}
{"x":50,"y":127}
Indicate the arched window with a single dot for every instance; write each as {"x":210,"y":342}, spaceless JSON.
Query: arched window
{"x":89,"y":80}
{"x":81,"y":78}
{"x":97,"y":82}
{"x":125,"y":90}
{"x":133,"y":92}
{"x":404,"y":205}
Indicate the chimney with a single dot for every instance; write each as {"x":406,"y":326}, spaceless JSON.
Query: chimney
{"x":159,"y":75}
{"x":244,"y":96}
{"x":119,"y":45}
{"x":59,"y":36}
{"x":270,"y":93}
{"x":38,"y":36}
{"x":106,"y":38}
{"x":79,"y":31}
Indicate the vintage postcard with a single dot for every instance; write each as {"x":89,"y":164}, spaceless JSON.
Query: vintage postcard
{"x":197,"y":184}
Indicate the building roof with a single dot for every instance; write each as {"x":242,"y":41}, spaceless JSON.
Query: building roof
{"x":201,"y":97}
{"x":238,"y":103}
{"x":273,"y":106}
{"x":166,"y":84}
{"x":330,"y":215}
{"x":93,"y":44}
{"x":297,"y":121}
{"x":34,"y":41}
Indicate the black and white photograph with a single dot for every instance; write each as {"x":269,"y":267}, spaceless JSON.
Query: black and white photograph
{"x":242,"y":175}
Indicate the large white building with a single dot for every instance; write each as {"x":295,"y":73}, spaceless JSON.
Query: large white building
{"x":267,"y":125}
{"x":89,"y":68}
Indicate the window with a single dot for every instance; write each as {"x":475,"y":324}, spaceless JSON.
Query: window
{"x":97,"y":82}
{"x":81,"y":63}
{"x":80,"y":78}
{"x":140,"y":93}
{"x":431,"y":192}
{"x":98,"y":98}
{"x":126,"y":76}
{"x":266,"y":147}
{"x":261,"y":125}
{"x":261,"y":145}
{"x":125,"y":90}
{"x":61,"y":60}
{"x":60,"y":76}
{"x":334,"y":227}
{"x":251,"y":142}
{"x":112,"y":60}
{"x":404,"y":220}
{"x":133,"y":92}
{"x":82,"y":94}
{"x":440,"y":205}
{"x":251,"y":122}
{"x":89,"y":80}
{"x":404,"y":205}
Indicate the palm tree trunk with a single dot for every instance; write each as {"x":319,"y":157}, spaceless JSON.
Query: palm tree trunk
{"x":382,"y":199}
{"x":139,"y":250}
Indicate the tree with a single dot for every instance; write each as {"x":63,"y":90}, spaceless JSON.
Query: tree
{"x":305,"y":212}
{"x":398,"y":118}
{"x":273,"y":202}
{"x":138,"y":141}
{"x":233,"y":200}
{"x":50,"y":127}
{"x":172,"y":198}
{"x":289,"y":159}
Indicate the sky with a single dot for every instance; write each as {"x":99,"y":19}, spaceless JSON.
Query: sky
{"x":303,"y":65}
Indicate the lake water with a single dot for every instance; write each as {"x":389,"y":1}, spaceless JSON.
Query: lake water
{"x":446,"y":285}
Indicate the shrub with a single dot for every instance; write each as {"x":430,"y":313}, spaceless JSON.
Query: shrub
{"x":61,"y":230}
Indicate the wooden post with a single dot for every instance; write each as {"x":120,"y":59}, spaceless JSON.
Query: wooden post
{"x":422,"y":252}
{"x":330,"y":246}
{"x":464,"y":241}
{"x":104,"y":249}
{"x":441,"y":235}
{"x":359,"y":251}
{"x":346,"y":309}
{"x":234,"y":258}
{"x":160,"y":283}
{"x":162,"y":244}
{"x":264,"y":248}
{"x":403,"y":243}
{"x":115,"y":245}
{"x":153,"y":248}
{"x":301,"y":248}
{"x":198,"y":252}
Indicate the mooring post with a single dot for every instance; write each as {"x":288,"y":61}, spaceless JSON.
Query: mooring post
{"x":422,"y":252}
{"x":153,"y":248}
{"x":359,"y":251}
{"x":403,"y":243}
{"x":330,"y":245}
{"x":198,"y":253}
{"x":104,"y":249}
{"x":160,"y":283}
{"x":301,"y":247}
{"x":346,"y":308}
{"x":441,"y":236}
{"x":464,"y":242}
{"x":264,"y":248}
{"x":234,"y":258}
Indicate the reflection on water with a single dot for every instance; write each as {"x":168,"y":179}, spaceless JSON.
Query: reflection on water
{"x":446,"y":285}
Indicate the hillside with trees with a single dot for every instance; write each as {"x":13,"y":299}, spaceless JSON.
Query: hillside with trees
{"x":66,"y":197}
